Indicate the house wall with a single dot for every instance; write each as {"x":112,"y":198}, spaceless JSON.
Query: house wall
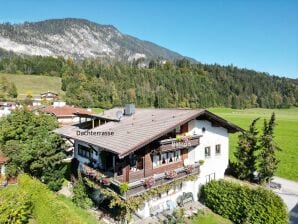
{"x":149,"y":170}
{"x":213,"y":168}
{"x":83,"y":160}
{"x":2,"y":169}
{"x":68,"y":119}
{"x":212,"y":136}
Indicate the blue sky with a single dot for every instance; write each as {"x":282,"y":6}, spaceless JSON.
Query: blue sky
{"x":257,"y":34}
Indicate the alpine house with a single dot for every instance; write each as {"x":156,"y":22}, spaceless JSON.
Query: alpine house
{"x":150,"y":148}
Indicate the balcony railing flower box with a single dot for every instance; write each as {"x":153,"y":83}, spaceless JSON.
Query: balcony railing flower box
{"x":171,"y":174}
{"x":149,"y":182}
{"x":105,"y":181}
{"x":189,"y":169}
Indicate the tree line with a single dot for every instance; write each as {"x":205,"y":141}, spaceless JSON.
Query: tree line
{"x":106,"y":83}
{"x":7,"y":89}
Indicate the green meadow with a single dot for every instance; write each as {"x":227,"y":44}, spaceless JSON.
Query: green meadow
{"x":286,"y":134}
{"x":34,"y":84}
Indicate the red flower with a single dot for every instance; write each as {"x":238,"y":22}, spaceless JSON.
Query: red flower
{"x":171,"y":174}
{"x":189,"y":169}
{"x":149,"y":182}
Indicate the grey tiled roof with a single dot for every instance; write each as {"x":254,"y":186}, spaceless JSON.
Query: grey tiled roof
{"x":134,"y":132}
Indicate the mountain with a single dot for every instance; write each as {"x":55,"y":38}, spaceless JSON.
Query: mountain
{"x":79,"y":39}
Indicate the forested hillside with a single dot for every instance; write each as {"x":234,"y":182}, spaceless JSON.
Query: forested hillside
{"x":105,"y":83}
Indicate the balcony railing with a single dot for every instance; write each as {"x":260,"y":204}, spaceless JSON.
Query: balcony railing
{"x":179,"y":143}
{"x":139,"y":185}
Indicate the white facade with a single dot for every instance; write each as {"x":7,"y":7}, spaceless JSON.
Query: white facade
{"x":213,"y":168}
{"x":2,"y":169}
{"x":214,"y":165}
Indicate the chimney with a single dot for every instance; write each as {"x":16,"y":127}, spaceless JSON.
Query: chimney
{"x":129,"y":109}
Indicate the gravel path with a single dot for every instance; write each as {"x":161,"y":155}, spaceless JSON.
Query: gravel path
{"x":289,"y":194}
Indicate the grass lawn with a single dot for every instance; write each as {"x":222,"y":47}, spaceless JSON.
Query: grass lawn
{"x":34,"y":84}
{"x":286,"y":134}
{"x":49,"y":207}
{"x":208,"y":217}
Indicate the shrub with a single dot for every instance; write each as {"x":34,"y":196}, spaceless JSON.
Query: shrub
{"x":15,"y":205}
{"x":80,"y":197}
{"x":124,"y":187}
{"x":201,"y":162}
{"x":243,"y":204}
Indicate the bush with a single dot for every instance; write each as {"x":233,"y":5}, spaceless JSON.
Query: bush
{"x":243,"y":204}
{"x":124,"y":187}
{"x":15,"y":206}
{"x":80,"y":197}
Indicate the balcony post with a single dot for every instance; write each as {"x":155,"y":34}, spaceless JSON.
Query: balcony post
{"x":114,"y":166}
{"x":125,"y":172}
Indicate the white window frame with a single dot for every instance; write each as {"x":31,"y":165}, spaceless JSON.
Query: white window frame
{"x":207,"y":155}
{"x":216,"y":147}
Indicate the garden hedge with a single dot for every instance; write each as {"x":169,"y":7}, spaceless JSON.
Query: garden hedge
{"x":244,"y":204}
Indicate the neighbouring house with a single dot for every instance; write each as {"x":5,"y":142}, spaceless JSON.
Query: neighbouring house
{"x":49,"y":96}
{"x":3,"y":160}
{"x":148,"y":148}
{"x":65,"y":114}
{"x":6,"y":108}
{"x":36,"y":101}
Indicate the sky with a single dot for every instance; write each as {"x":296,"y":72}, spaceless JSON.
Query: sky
{"x":255,"y":34}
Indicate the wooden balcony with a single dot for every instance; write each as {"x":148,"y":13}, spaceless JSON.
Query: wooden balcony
{"x":175,"y":143}
{"x":138,"y":186}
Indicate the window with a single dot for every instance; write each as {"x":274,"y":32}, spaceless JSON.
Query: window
{"x":217,"y":149}
{"x":177,"y":155}
{"x":171,"y":157}
{"x":136,"y":162}
{"x":156,"y":160}
{"x":84,"y":151}
{"x":166,"y":158}
{"x":207,"y":151}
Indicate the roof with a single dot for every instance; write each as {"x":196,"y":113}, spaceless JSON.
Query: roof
{"x":7,"y":103}
{"x":133,"y":132}
{"x":49,"y":92}
{"x":109,"y":115}
{"x":65,"y":111}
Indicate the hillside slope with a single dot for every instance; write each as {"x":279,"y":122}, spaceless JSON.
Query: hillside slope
{"x":33,"y":84}
{"x":78,"y":38}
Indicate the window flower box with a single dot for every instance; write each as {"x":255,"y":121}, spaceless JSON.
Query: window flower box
{"x":149,"y":182}
{"x":171,"y":174}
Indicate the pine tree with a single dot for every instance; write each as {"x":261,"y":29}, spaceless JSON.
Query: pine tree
{"x":268,"y":159}
{"x":246,"y":153}
{"x":12,"y":91}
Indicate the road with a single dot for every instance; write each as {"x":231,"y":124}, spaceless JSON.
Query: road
{"x":289,"y":194}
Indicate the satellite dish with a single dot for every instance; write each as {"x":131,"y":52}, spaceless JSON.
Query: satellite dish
{"x":119,"y":114}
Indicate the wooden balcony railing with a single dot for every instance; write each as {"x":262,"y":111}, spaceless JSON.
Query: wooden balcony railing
{"x":176,"y":143}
